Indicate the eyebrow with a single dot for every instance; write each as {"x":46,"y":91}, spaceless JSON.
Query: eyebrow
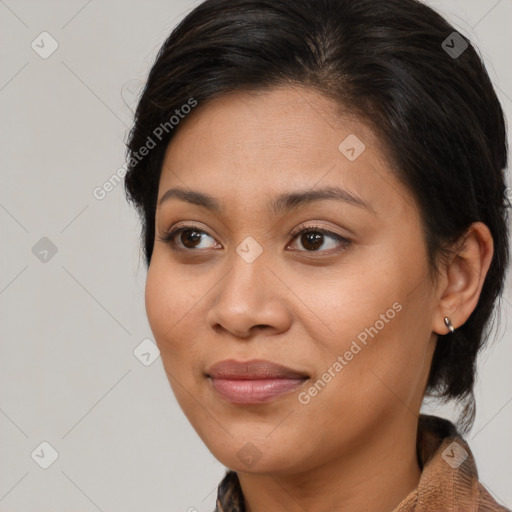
{"x":284,"y":202}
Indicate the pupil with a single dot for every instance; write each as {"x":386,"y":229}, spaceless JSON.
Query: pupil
{"x":312,"y":238}
{"x":194,"y":237}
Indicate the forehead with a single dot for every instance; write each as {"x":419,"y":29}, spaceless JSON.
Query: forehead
{"x":246,"y":144}
{"x":284,"y":122}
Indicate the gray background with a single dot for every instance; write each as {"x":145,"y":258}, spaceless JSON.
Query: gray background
{"x":71,"y":321}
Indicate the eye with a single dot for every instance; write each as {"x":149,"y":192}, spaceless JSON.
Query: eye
{"x":190,"y":236}
{"x":312,"y":238}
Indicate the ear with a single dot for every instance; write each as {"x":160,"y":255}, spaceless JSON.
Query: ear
{"x":463,"y":278}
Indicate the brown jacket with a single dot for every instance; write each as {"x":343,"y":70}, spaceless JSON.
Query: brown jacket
{"x":449,"y":479}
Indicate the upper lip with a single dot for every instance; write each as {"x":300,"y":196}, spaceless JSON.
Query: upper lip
{"x":253,"y":369}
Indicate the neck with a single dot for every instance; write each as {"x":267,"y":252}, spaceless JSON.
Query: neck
{"x":376,"y":475}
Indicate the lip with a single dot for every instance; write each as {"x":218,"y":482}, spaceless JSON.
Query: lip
{"x":253,"y":382}
{"x":253,"y":369}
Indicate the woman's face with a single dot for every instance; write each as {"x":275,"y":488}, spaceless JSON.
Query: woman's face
{"x":353,"y":316}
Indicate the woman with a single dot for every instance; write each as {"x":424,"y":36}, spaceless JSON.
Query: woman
{"x":322,"y":194}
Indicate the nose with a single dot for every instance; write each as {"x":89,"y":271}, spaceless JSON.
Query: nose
{"x":250,"y":298}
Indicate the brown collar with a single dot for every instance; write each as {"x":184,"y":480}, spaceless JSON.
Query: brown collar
{"x":449,"y":479}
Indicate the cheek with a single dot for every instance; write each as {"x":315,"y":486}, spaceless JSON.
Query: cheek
{"x":166,"y":305}
{"x":378,"y":324}
{"x":174,"y":307}
{"x":158,"y":302}
{"x":169,"y":309}
{"x":359,"y":303}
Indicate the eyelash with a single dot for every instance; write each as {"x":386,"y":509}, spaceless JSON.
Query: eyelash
{"x":169,"y":236}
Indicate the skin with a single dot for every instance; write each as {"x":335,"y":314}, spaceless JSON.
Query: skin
{"x":299,"y":307}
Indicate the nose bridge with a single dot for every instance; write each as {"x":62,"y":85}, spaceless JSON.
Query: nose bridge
{"x":247,"y":281}
{"x":249,"y":262}
{"x":250,"y":250}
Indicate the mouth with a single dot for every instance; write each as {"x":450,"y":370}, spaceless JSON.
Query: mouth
{"x":253,"y":382}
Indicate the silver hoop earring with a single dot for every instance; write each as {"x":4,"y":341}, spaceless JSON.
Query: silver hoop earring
{"x":448,"y":324}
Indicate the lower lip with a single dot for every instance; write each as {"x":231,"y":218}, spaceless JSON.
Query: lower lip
{"x":254,"y":391}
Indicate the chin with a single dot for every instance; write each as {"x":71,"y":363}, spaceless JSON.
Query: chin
{"x":254,"y":456}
